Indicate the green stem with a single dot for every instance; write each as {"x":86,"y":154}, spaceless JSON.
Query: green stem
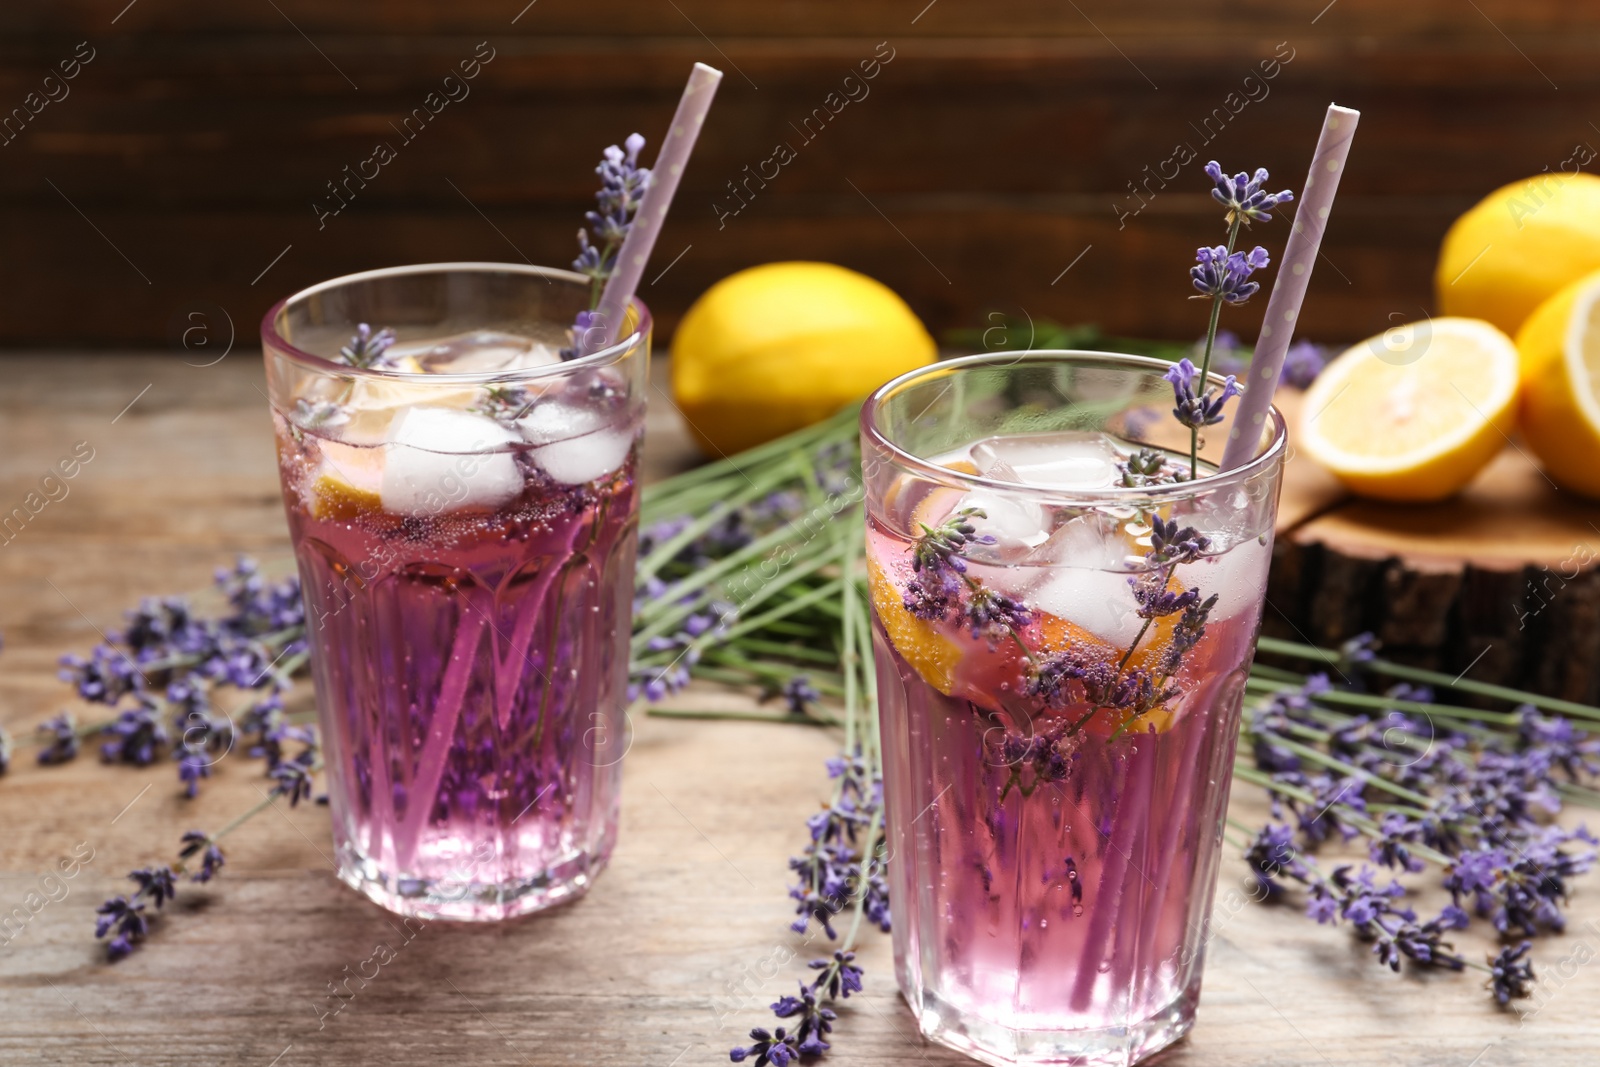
{"x":1280,"y":647}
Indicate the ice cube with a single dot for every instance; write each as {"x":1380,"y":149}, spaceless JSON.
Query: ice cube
{"x":1017,"y":526}
{"x":552,"y":420}
{"x":477,"y":351}
{"x":1238,"y":577}
{"x":442,"y":458}
{"x":577,"y":460}
{"x":1091,"y":539}
{"x":1100,"y":601}
{"x":1062,"y":460}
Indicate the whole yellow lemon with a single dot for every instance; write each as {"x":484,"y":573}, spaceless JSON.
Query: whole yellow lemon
{"x":1518,"y":246}
{"x":781,"y":346}
{"x":1560,"y":357}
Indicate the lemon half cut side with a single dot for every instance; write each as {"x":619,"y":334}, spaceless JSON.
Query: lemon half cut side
{"x":1560,"y":347}
{"x":1416,"y":412}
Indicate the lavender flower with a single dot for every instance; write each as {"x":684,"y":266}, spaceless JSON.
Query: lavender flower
{"x":938,"y":562}
{"x":1272,"y":856}
{"x":1150,"y":467}
{"x":159,"y":884}
{"x":211,"y":858}
{"x":1170,"y":544}
{"x":1223,"y":275}
{"x":63,"y":739}
{"x":1241,"y":194}
{"x":798,"y":693}
{"x":367,"y":350}
{"x":126,"y":917}
{"x":778,"y":1048}
{"x":1302,"y":363}
{"x":1510,"y":977}
{"x":815,"y":1020}
{"x":1196,"y":411}
{"x":136,"y":736}
{"x":1155,"y":600}
{"x":622,"y":186}
{"x":992,"y":616}
{"x":318,"y":414}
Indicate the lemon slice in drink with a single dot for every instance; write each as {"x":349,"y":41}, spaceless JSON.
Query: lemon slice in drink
{"x":1414,"y":413}
{"x":1560,"y":346}
{"x":928,"y":652}
{"x":348,"y":483}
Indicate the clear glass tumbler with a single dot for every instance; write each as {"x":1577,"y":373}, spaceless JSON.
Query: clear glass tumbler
{"x":463,"y":503}
{"x":1063,"y":625}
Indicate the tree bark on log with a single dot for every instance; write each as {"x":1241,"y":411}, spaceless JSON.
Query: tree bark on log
{"x":1501,"y":582}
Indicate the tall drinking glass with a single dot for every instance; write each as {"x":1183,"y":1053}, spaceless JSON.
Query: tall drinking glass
{"x":463,"y":503}
{"x":1063,"y":625}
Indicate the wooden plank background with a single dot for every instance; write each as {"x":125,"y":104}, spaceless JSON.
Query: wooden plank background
{"x":177,"y":171}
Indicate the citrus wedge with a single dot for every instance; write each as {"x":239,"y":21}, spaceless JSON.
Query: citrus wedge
{"x":928,"y":652}
{"x":1414,"y":413}
{"x":1560,"y":347}
{"x":348,"y":483}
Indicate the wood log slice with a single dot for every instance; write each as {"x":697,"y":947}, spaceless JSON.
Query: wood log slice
{"x":1500,"y":582}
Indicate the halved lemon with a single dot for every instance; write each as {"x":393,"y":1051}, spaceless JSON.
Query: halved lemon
{"x":1560,"y":347}
{"x":1415,"y":412}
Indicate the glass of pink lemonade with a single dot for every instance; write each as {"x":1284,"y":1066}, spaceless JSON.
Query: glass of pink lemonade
{"x":1063,"y":623}
{"x":463,"y":502}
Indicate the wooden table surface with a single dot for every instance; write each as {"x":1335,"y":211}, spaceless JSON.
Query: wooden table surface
{"x":667,"y":961}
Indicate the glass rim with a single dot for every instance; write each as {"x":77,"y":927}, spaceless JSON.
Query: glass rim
{"x":1117,"y":494}
{"x":604,"y":357}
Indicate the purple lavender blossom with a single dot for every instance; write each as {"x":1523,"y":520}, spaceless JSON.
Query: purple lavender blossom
{"x":367,"y":350}
{"x":61,"y":744}
{"x":991,"y":616}
{"x":622,"y":186}
{"x":135,"y":737}
{"x":127,"y":918}
{"x":1509,"y":976}
{"x":1219,"y":274}
{"x":1170,"y":544}
{"x":779,"y":1048}
{"x":211,"y":858}
{"x":1242,"y":195}
{"x":1196,"y":411}
{"x":1302,"y":363}
{"x":799,"y":695}
{"x":1155,"y":600}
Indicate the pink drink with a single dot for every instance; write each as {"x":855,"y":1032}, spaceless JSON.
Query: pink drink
{"x":466,"y":549}
{"x":1054,"y":848}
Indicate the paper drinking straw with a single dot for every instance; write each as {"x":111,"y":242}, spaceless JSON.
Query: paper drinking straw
{"x":1289,"y":290}
{"x":636,"y":247}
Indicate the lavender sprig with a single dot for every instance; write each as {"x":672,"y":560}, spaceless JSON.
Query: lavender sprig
{"x":1421,"y":790}
{"x":161,"y":675}
{"x":622,"y":186}
{"x":1222,"y":276}
{"x":126,"y":916}
{"x":367,"y":350}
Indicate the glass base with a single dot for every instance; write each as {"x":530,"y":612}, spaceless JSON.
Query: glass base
{"x":472,"y":901}
{"x":1112,"y":1046}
